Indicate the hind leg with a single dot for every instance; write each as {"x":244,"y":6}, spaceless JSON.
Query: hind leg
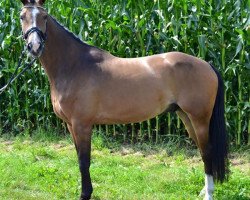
{"x":198,"y":131}
{"x":201,"y":128}
{"x":188,"y":125}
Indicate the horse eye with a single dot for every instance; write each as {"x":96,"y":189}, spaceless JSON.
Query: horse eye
{"x":21,"y":17}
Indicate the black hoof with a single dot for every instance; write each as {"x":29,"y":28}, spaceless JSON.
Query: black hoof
{"x":84,"y":197}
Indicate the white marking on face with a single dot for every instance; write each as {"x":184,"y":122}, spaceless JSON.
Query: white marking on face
{"x":35,"y":12}
{"x":34,"y":39}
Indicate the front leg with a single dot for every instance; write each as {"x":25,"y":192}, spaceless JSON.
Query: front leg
{"x":82,"y":138}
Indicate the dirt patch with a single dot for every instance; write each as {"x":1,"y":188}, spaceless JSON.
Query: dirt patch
{"x":7,"y":142}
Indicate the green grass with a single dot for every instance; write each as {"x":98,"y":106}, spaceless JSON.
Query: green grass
{"x":36,"y":168}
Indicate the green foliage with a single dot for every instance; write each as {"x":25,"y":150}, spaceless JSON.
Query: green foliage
{"x":217,"y":31}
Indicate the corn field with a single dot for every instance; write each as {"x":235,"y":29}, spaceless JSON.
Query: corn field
{"x":217,"y":31}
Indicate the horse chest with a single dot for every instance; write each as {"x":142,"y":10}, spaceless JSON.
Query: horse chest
{"x":58,"y":110}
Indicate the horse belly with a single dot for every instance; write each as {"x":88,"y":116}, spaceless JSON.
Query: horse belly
{"x":133,"y":106}
{"x":126,"y":116}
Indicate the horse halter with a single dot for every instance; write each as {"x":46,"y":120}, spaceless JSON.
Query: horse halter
{"x":42,"y":36}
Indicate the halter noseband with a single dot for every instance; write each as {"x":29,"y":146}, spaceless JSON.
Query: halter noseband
{"x":42,"y":36}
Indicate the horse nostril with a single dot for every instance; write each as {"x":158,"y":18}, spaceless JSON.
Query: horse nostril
{"x":29,"y":47}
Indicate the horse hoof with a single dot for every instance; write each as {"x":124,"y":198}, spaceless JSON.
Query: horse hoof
{"x":208,"y":197}
{"x":84,"y":197}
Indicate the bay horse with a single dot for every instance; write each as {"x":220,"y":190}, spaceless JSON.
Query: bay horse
{"x":90,"y":86}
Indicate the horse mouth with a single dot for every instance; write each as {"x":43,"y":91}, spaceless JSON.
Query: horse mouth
{"x":37,"y":53}
{"x":35,"y":50}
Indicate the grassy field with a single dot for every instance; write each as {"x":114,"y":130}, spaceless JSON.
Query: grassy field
{"x":45,"y":169}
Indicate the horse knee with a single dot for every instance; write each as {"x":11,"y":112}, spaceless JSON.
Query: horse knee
{"x":84,"y":162}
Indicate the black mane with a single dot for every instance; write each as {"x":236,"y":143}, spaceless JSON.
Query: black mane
{"x":71,"y":34}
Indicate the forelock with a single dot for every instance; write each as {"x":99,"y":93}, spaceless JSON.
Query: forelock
{"x":32,"y":2}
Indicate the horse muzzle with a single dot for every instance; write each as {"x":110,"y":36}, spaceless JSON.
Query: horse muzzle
{"x":35,"y":48}
{"x":35,"y":39}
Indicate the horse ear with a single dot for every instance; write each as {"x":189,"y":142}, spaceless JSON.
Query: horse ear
{"x":41,"y":2}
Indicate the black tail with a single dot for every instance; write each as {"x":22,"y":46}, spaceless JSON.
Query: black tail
{"x":218,"y":136}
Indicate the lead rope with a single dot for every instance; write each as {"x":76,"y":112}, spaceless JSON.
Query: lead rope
{"x":14,"y":76}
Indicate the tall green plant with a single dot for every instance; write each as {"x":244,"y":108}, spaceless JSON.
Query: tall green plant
{"x":216,"y":31}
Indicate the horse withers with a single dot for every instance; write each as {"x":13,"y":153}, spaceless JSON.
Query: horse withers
{"x":90,"y":86}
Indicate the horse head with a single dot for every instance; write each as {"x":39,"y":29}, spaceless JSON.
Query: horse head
{"x":34,"y":25}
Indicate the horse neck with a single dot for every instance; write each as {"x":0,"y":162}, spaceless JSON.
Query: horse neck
{"x":60,"y":51}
